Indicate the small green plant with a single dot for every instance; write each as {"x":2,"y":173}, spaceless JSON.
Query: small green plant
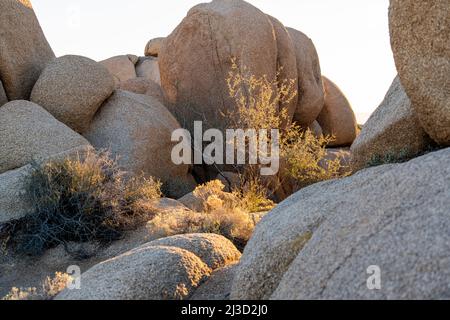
{"x":81,"y":199}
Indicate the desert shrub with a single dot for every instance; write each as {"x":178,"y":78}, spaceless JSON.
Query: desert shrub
{"x":260,"y":104}
{"x":81,"y":199}
{"x":224,"y":213}
{"x":305,"y":156}
{"x":48,"y":290}
{"x":249,"y":196}
{"x":234,"y":224}
{"x":253,"y":195}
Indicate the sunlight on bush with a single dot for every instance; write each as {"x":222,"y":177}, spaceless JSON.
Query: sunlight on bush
{"x":224,"y":213}
{"x":249,"y":197}
{"x":49,"y":289}
{"x":260,"y":102}
{"x":253,"y":196}
{"x":261,"y":105}
{"x":82,"y":199}
{"x":305,"y":155}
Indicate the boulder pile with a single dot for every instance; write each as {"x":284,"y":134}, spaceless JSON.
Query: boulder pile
{"x":321,"y":242}
{"x":390,"y":221}
{"x":196,"y":58}
{"x":166,"y":269}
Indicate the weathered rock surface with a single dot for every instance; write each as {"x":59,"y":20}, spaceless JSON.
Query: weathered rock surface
{"x":337,"y":117}
{"x":138,"y":129}
{"x":214,"y":250}
{"x":287,"y":62}
{"x":141,"y":85}
{"x":144,"y":273}
{"x":310,"y":87}
{"x":121,"y":67}
{"x":29,"y":133}
{"x":148,"y":67}
{"x":72,"y":88}
{"x":153,"y":47}
{"x":154,"y":90}
{"x":420,"y":37}
{"x":12,"y":204}
{"x":191,"y":257}
{"x":319,"y":243}
{"x":195,"y":60}
{"x":392,"y":130}
{"x":218,"y":286}
{"x":24,"y":51}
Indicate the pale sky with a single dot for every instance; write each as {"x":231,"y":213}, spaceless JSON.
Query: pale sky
{"x":351,"y":36}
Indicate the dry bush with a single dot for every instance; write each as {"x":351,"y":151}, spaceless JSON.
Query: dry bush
{"x":81,"y":199}
{"x":305,"y":155}
{"x":253,"y":195}
{"x":260,"y":102}
{"x":49,"y":289}
{"x":224,"y":213}
{"x":260,"y":105}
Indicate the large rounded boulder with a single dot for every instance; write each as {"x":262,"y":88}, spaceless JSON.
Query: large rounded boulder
{"x":195,"y":60}
{"x":137,"y":129}
{"x":214,"y":250}
{"x":24,"y":50}
{"x":337,"y":118}
{"x":420,"y":38}
{"x":29,"y":133}
{"x":332,"y":239}
{"x":144,"y":273}
{"x":72,"y":88}
{"x":392,"y":131}
{"x":310,"y":87}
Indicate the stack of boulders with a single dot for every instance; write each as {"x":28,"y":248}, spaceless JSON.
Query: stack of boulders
{"x":321,"y":242}
{"x":415,"y":115}
{"x":130,"y":105}
{"x":195,"y":61}
{"x":51,"y":108}
{"x":170,"y":268}
{"x":383,"y":233}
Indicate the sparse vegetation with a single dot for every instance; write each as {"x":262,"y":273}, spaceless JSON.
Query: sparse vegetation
{"x":48,"y":290}
{"x":404,"y":155}
{"x":227,"y":214}
{"x":306,"y":160}
{"x":261,"y":104}
{"x":389,"y":157}
{"x":82,"y":199}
